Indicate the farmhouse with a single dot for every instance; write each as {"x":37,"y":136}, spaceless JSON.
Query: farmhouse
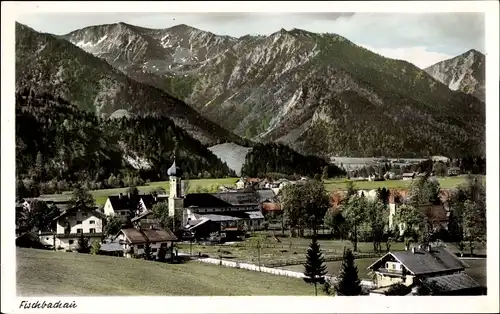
{"x":133,"y":240}
{"x":435,"y":268}
{"x":72,"y":223}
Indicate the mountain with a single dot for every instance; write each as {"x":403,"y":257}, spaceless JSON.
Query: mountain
{"x":465,"y":73}
{"x":48,"y":63}
{"x":58,"y":144}
{"x":319,"y":93}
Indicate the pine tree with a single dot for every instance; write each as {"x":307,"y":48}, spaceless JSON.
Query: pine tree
{"x":147,"y":252}
{"x":348,"y":283}
{"x":83,"y":244}
{"x":315,"y":268}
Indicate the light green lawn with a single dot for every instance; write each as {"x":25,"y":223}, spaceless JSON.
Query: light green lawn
{"x":42,"y":273}
{"x":102,"y":195}
{"x":340,"y":184}
{"x":330,"y":185}
{"x":274,"y":253}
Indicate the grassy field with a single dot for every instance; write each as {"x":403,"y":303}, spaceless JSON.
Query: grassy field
{"x":477,"y":269}
{"x":102,"y":195}
{"x":42,"y":273}
{"x":273,"y":253}
{"x":340,"y":184}
{"x":330,"y":185}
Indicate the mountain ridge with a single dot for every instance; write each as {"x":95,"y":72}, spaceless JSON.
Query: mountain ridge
{"x":465,"y":72}
{"x":300,"y":88}
{"x":47,"y":63}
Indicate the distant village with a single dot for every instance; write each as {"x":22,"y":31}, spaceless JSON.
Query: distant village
{"x":228,"y":215}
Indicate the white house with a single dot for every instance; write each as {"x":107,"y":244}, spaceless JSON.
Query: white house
{"x":72,"y":223}
{"x":240,"y":184}
{"x":122,"y":205}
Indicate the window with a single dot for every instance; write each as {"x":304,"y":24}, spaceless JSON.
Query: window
{"x":46,"y":238}
{"x":154,"y":250}
{"x":152,"y":243}
{"x":79,"y":230}
{"x":140,"y":246}
{"x":78,"y":222}
{"x":71,"y":241}
{"x":92,"y":230}
{"x":92,"y":222}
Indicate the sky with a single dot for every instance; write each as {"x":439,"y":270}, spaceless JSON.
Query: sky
{"x":420,"y":38}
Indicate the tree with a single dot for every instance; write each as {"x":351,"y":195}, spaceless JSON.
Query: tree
{"x":474,"y":224}
{"x":423,"y":191}
{"x":112,"y":225}
{"x":315,"y":268}
{"x":348,"y":283}
{"x":354,"y":213}
{"x":351,"y":189}
{"x":377,"y":219}
{"x":83,"y":244}
{"x":160,"y":212}
{"x":162,"y":252}
{"x":305,"y":205}
{"x":324,"y":174}
{"x":38,"y":216}
{"x":147,"y":255}
{"x":133,"y":191}
{"x":440,"y":169}
{"x":258,"y":243}
{"x":96,"y":247}
{"x":336,"y":223}
{"x":412,"y":224}
{"x":81,"y":199}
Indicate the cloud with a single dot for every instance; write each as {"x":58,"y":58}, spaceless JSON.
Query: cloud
{"x":418,"y":38}
{"x":419,"y":56}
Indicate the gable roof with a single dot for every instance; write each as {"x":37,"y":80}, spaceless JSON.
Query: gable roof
{"x":142,"y":215}
{"x":138,"y":236}
{"x":265,"y":194}
{"x":120,"y":202}
{"x":451,"y":282}
{"x":236,"y":198}
{"x":424,"y":262}
{"x":93,"y":211}
{"x":204,"y":200}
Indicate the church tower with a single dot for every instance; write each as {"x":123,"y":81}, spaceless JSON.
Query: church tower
{"x":175,"y":200}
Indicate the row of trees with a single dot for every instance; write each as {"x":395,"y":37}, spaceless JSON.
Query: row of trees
{"x":359,"y":218}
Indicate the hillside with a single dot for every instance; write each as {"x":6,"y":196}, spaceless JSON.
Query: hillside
{"x":45,"y":273}
{"x":46,"y":63}
{"x":465,"y":73}
{"x":58,"y":142}
{"x":320,"y":93}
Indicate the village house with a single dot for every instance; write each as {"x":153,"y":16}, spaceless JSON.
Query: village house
{"x":72,"y":223}
{"x":409,"y":175}
{"x":223,"y":209}
{"x":126,"y":205}
{"x":133,"y":240}
{"x":436,"y":268}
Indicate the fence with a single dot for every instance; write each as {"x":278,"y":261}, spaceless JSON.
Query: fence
{"x":273,"y":271}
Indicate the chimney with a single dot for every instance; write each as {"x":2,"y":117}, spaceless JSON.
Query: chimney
{"x":120,"y":195}
{"x":428,"y":247}
{"x":128,"y":194}
{"x":413,"y":250}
